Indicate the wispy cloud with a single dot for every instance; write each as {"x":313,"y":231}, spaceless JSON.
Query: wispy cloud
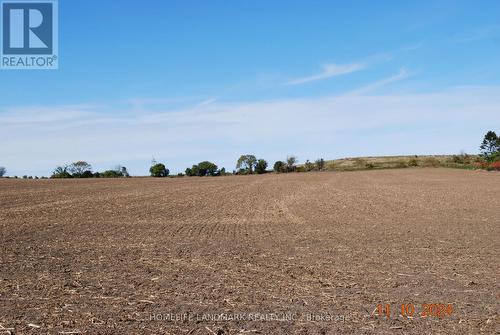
{"x":313,"y":127}
{"x":207,"y":102}
{"x":329,"y":71}
{"x":403,"y":73}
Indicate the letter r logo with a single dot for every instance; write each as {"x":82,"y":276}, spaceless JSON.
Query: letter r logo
{"x":27,"y":28}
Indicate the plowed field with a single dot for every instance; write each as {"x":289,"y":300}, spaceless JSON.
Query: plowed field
{"x":310,"y":253}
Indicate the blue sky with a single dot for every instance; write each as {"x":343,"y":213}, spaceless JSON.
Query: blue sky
{"x":186,"y":81}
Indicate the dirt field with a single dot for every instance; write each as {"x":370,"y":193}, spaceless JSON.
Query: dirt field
{"x":310,"y":253}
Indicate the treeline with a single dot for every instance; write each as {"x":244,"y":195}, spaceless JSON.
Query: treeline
{"x":245,"y":165}
{"x":201,"y":169}
{"x":488,"y":159}
{"x":82,"y":169}
{"x":290,"y":165}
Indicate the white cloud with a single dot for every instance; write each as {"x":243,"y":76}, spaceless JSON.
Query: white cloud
{"x":329,"y":71}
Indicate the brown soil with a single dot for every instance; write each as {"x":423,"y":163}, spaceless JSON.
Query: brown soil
{"x":161,"y":256}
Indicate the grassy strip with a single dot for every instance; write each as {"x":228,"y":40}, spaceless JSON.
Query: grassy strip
{"x":398,"y":162}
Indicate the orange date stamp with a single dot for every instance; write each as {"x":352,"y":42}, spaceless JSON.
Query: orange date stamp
{"x":410,"y":311}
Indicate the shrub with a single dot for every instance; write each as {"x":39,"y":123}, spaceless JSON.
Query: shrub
{"x":159,"y":170}
{"x":360,"y":163}
{"x":242,"y":172}
{"x":480,"y":164}
{"x":118,"y":172}
{"x":401,"y":164}
{"x":320,"y":164}
{"x":279,"y":167}
{"x":457,"y":159}
{"x":370,"y":166}
{"x":462,"y":158}
{"x":110,"y":174}
{"x":261,"y":166}
{"x":330,"y":166}
{"x":86,"y":174}
{"x":431,"y":162}
{"x":478,"y":159}
{"x":308,"y":166}
{"x":413,"y":162}
{"x":300,"y":169}
{"x":3,"y":171}
{"x":495,"y":166}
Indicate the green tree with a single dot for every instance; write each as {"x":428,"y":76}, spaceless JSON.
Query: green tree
{"x":261,"y":166}
{"x":80,"y":169}
{"x":61,"y":172}
{"x":206,"y":168}
{"x":246,"y":163}
{"x":189,"y":172}
{"x":290,"y":163}
{"x":279,"y":167}
{"x":221,"y":172}
{"x":159,"y":170}
{"x":490,"y":147}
